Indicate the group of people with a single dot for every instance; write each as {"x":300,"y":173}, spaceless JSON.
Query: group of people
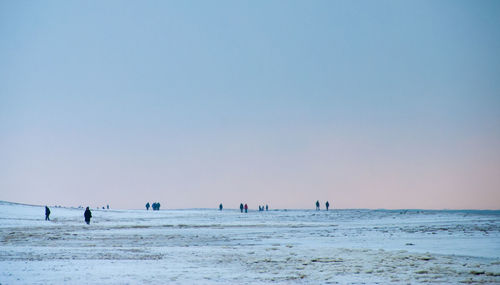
{"x":244,"y":207}
{"x":327,"y":204}
{"x":155,"y":206}
{"x":87,"y":214}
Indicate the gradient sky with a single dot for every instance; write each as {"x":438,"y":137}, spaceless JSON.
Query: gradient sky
{"x":367,"y":104}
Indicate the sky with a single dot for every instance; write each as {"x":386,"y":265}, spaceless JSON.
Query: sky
{"x":366,"y":104}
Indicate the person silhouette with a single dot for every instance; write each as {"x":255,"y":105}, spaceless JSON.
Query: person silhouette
{"x":317,"y":205}
{"x":327,"y":205}
{"x":147,"y":206}
{"x":47,"y":213}
{"x":267,"y":207}
{"x":220,"y":207}
{"x":246,"y":208}
{"x":241,"y":207}
{"x":87,"y":215}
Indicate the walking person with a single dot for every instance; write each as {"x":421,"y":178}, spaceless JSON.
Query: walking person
{"x":47,"y":213}
{"x":317,"y":205}
{"x":147,"y":206}
{"x":87,"y":215}
{"x":220,"y":207}
{"x":327,"y":205}
{"x":246,"y":208}
{"x":241,"y":207}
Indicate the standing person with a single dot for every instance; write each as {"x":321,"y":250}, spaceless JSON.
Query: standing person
{"x":246,"y":208}
{"x":317,"y":205}
{"x":147,"y":206}
{"x":267,"y":207}
{"x":47,"y":213}
{"x":87,"y":215}
{"x":241,"y":207}
{"x":327,"y":205}
{"x":220,"y":207}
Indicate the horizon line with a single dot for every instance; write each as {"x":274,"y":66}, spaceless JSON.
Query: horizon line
{"x":274,"y":209}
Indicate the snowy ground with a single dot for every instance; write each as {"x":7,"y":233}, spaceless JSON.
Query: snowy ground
{"x":213,"y":247}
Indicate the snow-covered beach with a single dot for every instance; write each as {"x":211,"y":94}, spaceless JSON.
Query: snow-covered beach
{"x":225,"y":247}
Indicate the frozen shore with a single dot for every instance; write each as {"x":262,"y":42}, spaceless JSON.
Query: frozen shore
{"x":213,"y":247}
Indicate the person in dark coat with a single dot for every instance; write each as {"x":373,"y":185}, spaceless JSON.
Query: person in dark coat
{"x":267,"y":207}
{"x":47,"y":213}
{"x":220,"y":207}
{"x":87,"y":215}
{"x":317,"y":205}
{"x":147,"y":206}
{"x":327,"y":205}
{"x":241,"y":207}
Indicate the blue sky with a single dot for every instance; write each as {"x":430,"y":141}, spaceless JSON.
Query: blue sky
{"x":377,"y":104}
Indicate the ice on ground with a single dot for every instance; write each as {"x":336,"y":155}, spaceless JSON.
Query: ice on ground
{"x":221,"y":247}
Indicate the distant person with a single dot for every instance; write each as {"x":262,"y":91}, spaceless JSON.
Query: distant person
{"x":220,"y":207}
{"x":147,"y":206}
{"x":241,"y":207}
{"x":87,"y":215}
{"x":317,"y":205}
{"x":246,"y":208}
{"x":156,"y":206}
{"x":107,"y":207}
{"x":267,"y":207}
{"x":47,"y":213}
{"x":260,"y":209}
{"x":327,"y":205}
